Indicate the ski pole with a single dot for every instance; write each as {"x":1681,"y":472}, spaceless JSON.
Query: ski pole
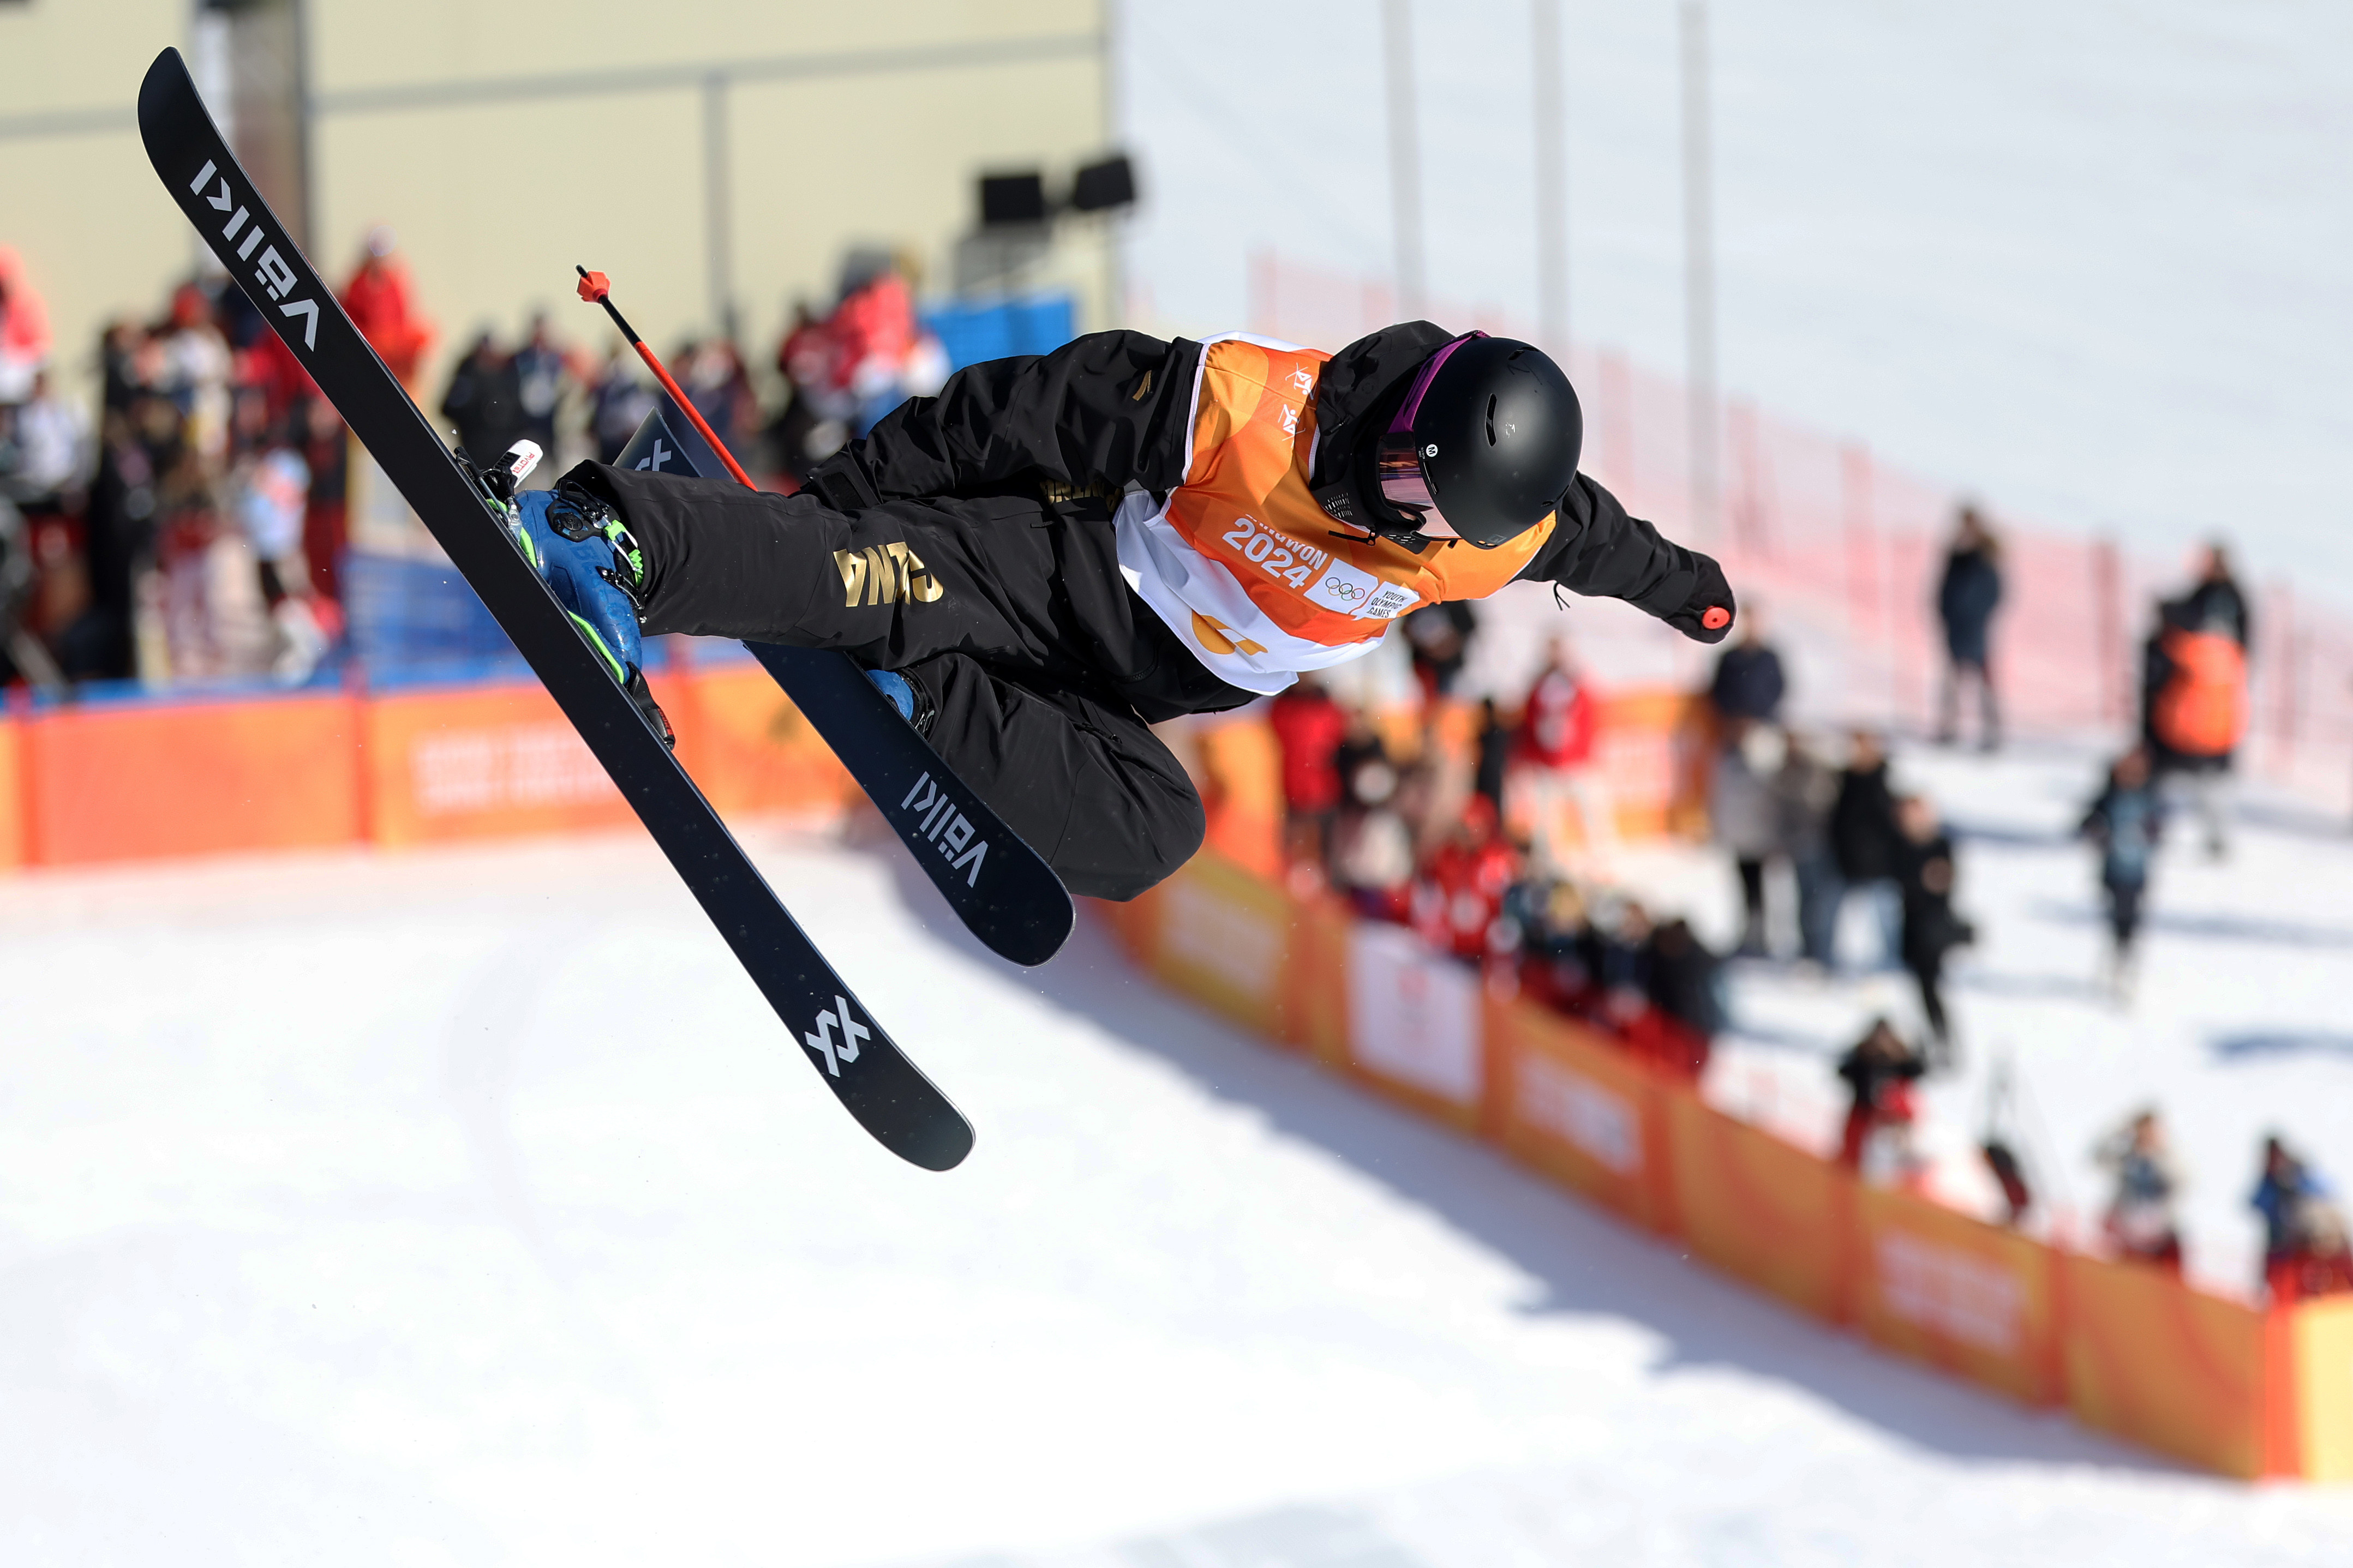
{"x":597,"y":290}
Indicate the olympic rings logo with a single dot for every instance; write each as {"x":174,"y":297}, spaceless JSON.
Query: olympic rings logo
{"x":1340,"y":589}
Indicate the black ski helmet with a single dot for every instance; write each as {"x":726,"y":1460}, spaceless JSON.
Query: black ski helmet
{"x":1485,"y":441}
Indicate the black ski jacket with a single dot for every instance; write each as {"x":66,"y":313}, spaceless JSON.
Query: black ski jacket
{"x":1109,"y":411}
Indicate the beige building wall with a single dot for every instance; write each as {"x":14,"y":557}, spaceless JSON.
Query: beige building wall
{"x":506,"y":139}
{"x":98,"y":236}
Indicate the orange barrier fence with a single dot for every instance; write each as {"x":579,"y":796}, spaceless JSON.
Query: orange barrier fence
{"x":109,"y":781}
{"x":2130,"y":1350}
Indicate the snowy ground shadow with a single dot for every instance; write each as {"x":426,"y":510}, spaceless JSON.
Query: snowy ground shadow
{"x":1774,"y":1037}
{"x":2293,"y":819}
{"x":2009,"y":836}
{"x":2210,"y":925}
{"x":1586,"y":1262}
{"x":2283,"y":1043}
{"x":2037,"y":987}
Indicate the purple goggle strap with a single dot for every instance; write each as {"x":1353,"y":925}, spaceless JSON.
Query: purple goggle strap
{"x":1403,"y":423}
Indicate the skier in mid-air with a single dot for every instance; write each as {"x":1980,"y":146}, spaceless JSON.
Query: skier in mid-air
{"x":1055,"y":552}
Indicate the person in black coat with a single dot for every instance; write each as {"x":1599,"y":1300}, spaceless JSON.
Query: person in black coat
{"x":1438,"y":636}
{"x":1748,"y":683}
{"x":1879,"y":1070}
{"x":1966,"y":597}
{"x":1494,"y":756}
{"x":485,"y":402}
{"x":1863,"y":837}
{"x":1931,"y":929}
{"x":1682,"y":980}
{"x":2217,"y":603}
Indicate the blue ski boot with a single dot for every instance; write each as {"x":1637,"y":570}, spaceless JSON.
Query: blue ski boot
{"x":586,"y":555}
{"x":908,"y":695}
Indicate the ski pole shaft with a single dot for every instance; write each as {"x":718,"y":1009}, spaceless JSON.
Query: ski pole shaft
{"x":597,"y":290}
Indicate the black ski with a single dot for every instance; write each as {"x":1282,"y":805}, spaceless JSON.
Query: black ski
{"x":1001,"y":888}
{"x":879,"y":1086}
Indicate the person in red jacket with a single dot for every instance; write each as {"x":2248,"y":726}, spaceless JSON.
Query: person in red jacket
{"x":1308,"y":726}
{"x":24,"y":338}
{"x":1462,"y":890}
{"x":1556,"y":747}
{"x":380,"y":303}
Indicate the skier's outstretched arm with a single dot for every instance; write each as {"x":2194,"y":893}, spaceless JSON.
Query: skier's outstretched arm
{"x":1100,"y":411}
{"x":1596,"y":548}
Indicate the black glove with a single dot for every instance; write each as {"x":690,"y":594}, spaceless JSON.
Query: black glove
{"x":1707,"y":613}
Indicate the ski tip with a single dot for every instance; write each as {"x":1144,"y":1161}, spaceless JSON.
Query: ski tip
{"x":595,"y":287}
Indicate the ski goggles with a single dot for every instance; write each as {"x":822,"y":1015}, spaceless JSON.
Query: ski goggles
{"x":1399,"y":462}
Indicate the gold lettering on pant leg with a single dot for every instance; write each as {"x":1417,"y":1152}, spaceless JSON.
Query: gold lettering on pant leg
{"x":878,"y":576}
{"x":903,"y":564}
{"x":851,"y":565}
{"x":921,"y":586}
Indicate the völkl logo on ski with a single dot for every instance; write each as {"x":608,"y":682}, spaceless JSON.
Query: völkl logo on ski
{"x":939,"y":822}
{"x":271,"y":271}
{"x":823,"y":1042}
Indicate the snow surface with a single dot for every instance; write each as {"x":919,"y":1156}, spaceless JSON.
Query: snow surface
{"x":468,"y":1207}
{"x":2084,"y":261}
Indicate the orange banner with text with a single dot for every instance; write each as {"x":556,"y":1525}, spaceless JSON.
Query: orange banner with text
{"x":1955,"y":1292}
{"x":1574,"y":1105}
{"x":1415,"y":1030}
{"x":481,"y":763}
{"x":1222,"y":937}
{"x":1241,"y":947}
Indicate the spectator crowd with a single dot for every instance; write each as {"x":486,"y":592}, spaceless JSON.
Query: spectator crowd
{"x":1488,"y":827}
{"x":190,"y":521}
{"x":1456,"y":829}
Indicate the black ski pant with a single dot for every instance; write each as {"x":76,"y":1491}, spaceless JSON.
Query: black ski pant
{"x":2124,"y":911}
{"x":1042,"y":667}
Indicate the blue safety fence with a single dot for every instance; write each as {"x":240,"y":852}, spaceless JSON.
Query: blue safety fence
{"x":1038,"y":324}
{"x":406,"y":612}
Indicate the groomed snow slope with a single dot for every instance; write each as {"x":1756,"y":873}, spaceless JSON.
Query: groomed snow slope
{"x":466,"y":1208}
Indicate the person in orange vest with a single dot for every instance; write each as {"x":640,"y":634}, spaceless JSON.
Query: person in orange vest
{"x":1055,"y":552}
{"x":2194,"y":689}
